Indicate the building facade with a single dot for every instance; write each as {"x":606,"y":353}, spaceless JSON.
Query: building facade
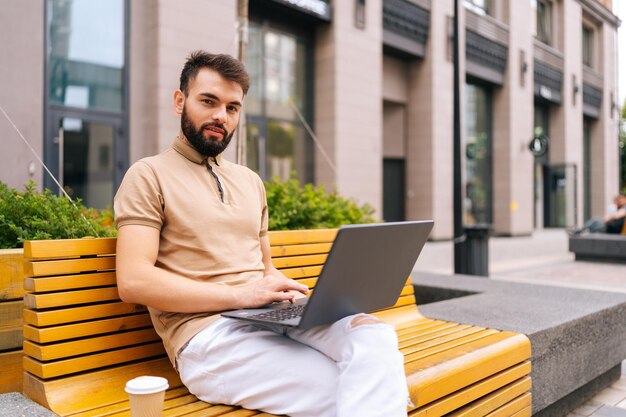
{"x":355,"y":94}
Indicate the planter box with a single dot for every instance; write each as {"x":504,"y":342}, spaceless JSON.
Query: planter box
{"x":11,"y":310}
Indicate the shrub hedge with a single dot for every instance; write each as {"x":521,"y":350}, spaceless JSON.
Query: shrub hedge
{"x":30,"y":215}
{"x":294,"y":207}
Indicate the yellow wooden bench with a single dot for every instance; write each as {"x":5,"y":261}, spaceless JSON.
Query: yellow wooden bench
{"x":82,"y":343}
{"x":11,"y":307}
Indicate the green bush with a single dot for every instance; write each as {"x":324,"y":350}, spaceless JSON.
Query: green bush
{"x":30,"y":215}
{"x":293,"y":207}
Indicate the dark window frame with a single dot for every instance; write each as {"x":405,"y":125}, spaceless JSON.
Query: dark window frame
{"x":545,"y":21}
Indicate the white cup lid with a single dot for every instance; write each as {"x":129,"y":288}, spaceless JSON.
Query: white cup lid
{"x":146,"y":385}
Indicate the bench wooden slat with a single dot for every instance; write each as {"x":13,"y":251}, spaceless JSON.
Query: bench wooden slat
{"x":94,"y":344}
{"x":73,"y":331}
{"x":517,"y":407}
{"x":198,"y":408}
{"x":68,"y":282}
{"x":68,"y":266}
{"x":525,"y":412}
{"x":291,"y":237}
{"x":424,"y":332}
{"x":98,"y":360}
{"x":302,"y":272}
{"x":475,"y":361}
{"x":447,"y":340}
{"x":11,"y":371}
{"x":430,"y":333}
{"x":299,"y":261}
{"x":400,"y":317}
{"x":64,"y":248}
{"x":81,"y":313}
{"x":426,"y":329}
{"x":11,"y":325}
{"x":11,"y":274}
{"x":416,"y":352}
{"x":497,"y":399}
{"x":68,"y":298}
{"x":473,"y":392}
{"x":305,"y":249}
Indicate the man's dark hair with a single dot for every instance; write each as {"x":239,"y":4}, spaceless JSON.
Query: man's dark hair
{"x":228,"y":67}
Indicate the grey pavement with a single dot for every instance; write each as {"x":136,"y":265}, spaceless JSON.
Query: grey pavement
{"x":543,"y":258}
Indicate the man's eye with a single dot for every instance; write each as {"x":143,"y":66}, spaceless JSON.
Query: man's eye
{"x":233,"y":109}
{"x":207,"y":101}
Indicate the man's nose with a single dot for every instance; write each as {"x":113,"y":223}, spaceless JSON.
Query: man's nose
{"x":219,"y":114}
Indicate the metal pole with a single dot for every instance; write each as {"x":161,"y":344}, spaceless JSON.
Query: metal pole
{"x":457,"y":179}
{"x":242,"y":13}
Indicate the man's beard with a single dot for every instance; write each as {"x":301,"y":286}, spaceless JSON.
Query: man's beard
{"x":209,"y":147}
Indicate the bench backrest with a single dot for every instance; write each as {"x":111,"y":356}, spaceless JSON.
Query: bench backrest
{"x":74,"y":320}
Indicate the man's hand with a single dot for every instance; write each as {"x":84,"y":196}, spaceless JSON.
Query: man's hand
{"x":271,"y":288}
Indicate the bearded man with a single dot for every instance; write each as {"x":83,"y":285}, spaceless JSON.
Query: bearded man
{"x":193,"y":243}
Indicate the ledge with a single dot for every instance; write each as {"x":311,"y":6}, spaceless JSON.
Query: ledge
{"x":576,"y":335}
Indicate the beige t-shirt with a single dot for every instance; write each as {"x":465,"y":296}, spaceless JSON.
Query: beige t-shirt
{"x":202,"y":237}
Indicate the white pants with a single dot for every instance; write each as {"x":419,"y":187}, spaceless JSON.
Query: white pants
{"x":336,"y":370}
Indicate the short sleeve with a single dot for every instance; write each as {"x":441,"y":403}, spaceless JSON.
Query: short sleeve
{"x":139,"y":199}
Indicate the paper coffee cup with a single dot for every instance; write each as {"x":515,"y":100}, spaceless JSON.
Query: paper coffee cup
{"x":146,"y":395}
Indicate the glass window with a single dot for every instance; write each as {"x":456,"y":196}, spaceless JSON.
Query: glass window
{"x":587,"y":46}
{"x":543,"y":21}
{"x":86,"y":53}
{"x":481,"y":7}
{"x":477,"y":156}
{"x":277,"y":143}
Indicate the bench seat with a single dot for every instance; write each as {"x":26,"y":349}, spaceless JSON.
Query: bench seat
{"x":82,"y":343}
{"x":601,"y":247}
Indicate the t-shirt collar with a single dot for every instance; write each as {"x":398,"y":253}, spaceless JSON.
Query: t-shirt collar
{"x":191,"y":153}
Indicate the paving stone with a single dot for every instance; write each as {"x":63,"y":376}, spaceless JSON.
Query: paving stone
{"x":14,"y":404}
{"x":608,"y":411}
{"x":610,"y":396}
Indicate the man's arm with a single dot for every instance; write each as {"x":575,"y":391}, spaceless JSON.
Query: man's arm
{"x":140,"y":281}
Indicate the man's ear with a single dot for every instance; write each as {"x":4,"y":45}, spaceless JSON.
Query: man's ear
{"x":179,"y":102}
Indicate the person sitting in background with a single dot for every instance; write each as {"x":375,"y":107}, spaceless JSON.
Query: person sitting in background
{"x":613,"y":222}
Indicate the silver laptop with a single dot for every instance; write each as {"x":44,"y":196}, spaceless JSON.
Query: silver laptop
{"x":366,"y":269}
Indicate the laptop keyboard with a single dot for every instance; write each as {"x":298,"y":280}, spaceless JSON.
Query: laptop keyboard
{"x":281,"y":314}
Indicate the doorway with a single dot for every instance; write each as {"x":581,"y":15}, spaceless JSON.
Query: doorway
{"x":87,"y":154}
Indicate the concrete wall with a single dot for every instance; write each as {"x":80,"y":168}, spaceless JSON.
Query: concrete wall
{"x":166,"y":32}
{"x":348,"y":108}
{"x":429,"y":138}
{"x":605,"y":155}
{"x":512,"y":129}
{"x":21,"y":90}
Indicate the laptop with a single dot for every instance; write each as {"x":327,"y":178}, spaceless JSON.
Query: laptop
{"x":366,"y":269}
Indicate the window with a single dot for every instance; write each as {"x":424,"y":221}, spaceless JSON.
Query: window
{"x":86,"y":53}
{"x":280,"y":71}
{"x":587,"y":46}
{"x":543,"y":29}
{"x":478,"y":162}
{"x":481,"y":7}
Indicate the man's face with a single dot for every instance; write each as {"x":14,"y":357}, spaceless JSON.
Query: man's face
{"x":209,"y":112}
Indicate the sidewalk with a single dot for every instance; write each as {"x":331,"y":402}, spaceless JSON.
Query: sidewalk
{"x":543,"y":258}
